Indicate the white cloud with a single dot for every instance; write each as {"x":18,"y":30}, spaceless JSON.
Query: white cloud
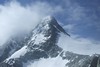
{"x":49,"y":62}
{"x":79,"y":19}
{"x":79,"y":45}
{"x":70,"y":28}
{"x":15,"y":18}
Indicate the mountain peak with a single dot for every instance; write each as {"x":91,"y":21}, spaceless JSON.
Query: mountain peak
{"x":48,"y":19}
{"x":46,"y":33}
{"x":51,"y":21}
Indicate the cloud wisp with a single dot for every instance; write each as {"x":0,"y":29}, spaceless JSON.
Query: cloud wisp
{"x":85,"y":19}
{"x":79,"y":45}
{"x":15,"y":18}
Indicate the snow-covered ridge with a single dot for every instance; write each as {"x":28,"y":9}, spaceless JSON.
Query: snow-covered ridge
{"x":19,"y":53}
{"x":52,"y":21}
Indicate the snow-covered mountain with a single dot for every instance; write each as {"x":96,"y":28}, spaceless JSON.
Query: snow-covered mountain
{"x":40,"y":49}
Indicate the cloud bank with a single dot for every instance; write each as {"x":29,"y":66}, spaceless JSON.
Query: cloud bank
{"x":49,"y":62}
{"x":15,"y":18}
{"x":79,"y":45}
{"x":81,"y":22}
{"x":85,"y":19}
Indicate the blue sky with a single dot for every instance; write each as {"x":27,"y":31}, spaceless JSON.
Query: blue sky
{"x":83,"y":14}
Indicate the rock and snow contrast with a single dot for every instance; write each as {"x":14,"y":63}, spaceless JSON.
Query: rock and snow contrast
{"x":41,"y":49}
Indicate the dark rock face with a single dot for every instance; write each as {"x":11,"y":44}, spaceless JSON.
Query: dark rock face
{"x":76,"y":60}
{"x":42,"y":43}
{"x":95,"y":61}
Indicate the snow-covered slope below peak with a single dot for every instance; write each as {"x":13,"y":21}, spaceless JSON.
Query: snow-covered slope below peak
{"x":19,"y":53}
